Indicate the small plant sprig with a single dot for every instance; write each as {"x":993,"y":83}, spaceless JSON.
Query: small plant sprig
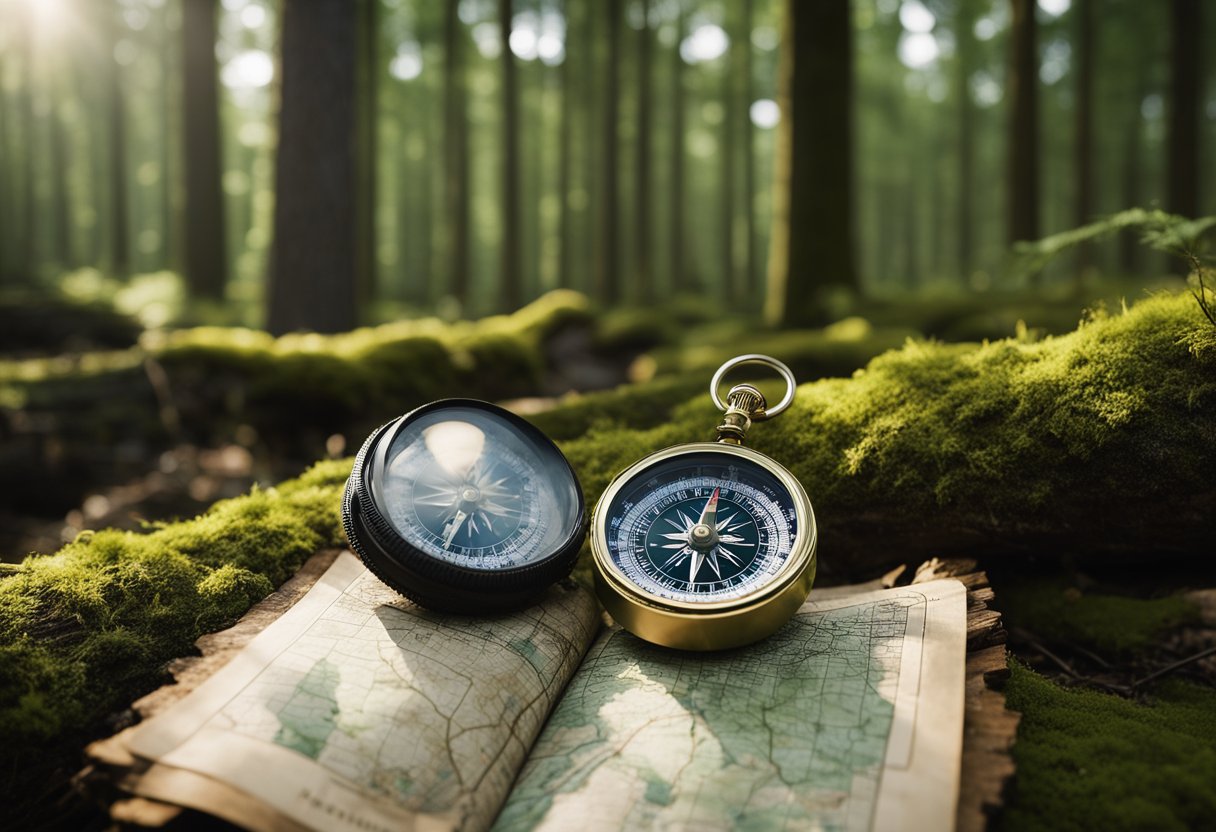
{"x":1201,"y":294}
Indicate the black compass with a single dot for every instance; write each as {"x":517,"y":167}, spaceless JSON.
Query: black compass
{"x":464,"y":507}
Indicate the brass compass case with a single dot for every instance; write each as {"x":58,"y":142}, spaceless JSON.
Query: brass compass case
{"x":690,"y":623}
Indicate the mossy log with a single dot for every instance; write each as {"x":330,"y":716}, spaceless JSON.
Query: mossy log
{"x":1102,"y":441}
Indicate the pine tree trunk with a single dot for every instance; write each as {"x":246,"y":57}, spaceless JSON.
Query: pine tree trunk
{"x":750,"y":282}
{"x":206,"y":259}
{"x":61,"y":213}
{"x":367,"y":85}
{"x":964,"y":67}
{"x":641,"y":190}
{"x":455,"y":158}
{"x":1186,"y":74}
{"x":29,"y":118}
{"x":312,"y":276}
{"x":608,"y":275}
{"x":564,"y":162}
{"x":679,"y":270}
{"x":120,"y":252}
{"x":812,"y":236}
{"x":732,"y":285}
{"x":508,"y":276}
{"x":1084,"y":115}
{"x":1022,"y":89}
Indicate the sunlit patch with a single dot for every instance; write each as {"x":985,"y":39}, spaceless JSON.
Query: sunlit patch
{"x":250,"y":69}
{"x":917,"y":49}
{"x":1055,"y":8}
{"x":765,"y":113}
{"x":708,"y":42}
{"x":915,"y":17}
{"x":406,"y":65}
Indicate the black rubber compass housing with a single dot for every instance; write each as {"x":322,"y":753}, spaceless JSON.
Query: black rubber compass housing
{"x":436,"y":583}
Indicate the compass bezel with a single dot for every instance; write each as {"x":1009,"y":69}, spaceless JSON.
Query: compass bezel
{"x":429,"y":580}
{"x":801,"y":557}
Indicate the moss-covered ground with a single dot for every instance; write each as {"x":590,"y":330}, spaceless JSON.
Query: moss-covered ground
{"x":1100,"y":440}
{"x":1090,"y":760}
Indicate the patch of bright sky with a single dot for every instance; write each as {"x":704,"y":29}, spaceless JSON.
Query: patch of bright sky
{"x":485,"y":35}
{"x":1055,"y":8}
{"x":406,"y":64}
{"x":539,"y":36}
{"x":990,"y":25}
{"x":917,"y":49}
{"x":766,"y":38}
{"x":765,"y":113}
{"x":707,"y":42}
{"x":253,"y":16}
{"x":915,"y":17}
{"x":1057,"y":58}
{"x":250,"y":69}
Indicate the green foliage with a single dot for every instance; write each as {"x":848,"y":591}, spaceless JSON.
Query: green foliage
{"x":1088,"y":760}
{"x":36,"y":323}
{"x":1159,"y":230}
{"x":1111,"y":625}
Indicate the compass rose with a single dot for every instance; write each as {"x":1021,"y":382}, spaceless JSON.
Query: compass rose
{"x":705,"y":540}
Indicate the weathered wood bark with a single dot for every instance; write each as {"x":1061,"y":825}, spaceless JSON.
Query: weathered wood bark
{"x":1084,"y":127}
{"x":455,"y":156}
{"x":312,"y":274}
{"x":642,"y":248}
{"x":608,"y":276}
{"x":1186,"y":75}
{"x":812,"y":229}
{"x":206,"y":259}
{"x":510,"y":288}
{"x":1023,"y":131}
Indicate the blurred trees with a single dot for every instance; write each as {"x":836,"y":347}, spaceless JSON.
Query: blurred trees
{"x":626,"y":148}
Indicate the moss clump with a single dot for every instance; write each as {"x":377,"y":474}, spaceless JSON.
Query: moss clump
{"x":835,"y":350}
{"x":1102,"y":440}
{"x":85,"y":630}
{"x":1088,"y":760}
{"x":1111,"y":625}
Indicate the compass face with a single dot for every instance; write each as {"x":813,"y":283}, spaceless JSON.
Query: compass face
{"x":475,"y":491}
{"x":701,"y":527}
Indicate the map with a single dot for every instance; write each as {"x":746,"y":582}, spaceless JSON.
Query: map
{"x":357,"y":710}
{"x":375,"y":710}
{"x":796,"y":732}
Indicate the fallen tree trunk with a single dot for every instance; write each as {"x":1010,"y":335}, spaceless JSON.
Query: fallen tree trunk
{"x":1102,"y":441}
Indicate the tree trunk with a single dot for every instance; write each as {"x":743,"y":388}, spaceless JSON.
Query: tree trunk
{"x":1084,"y":115}
{"x":206,"y":260}
{"x":732,"y":285}
{"x":367,"y":86}
{"x":641,"y":190}
{"x":120,"y":252}
{"x":608,"y":274}
{"x":812,"y":236}
{"x":61,"y":212}
{"x":964,"y":67}
{"x":564,"y":260}
{"x":1022,"y":89}
{"x":1186,"y":74}
{"x":679,"y":270}
{"x":750,"y":287}
{"x":509,"y":279}
{"x":29,"y":118}
{"x":455,"y":157}
{"x":312,"y":279}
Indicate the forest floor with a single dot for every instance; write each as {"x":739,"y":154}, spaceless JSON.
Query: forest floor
{"x":1112,"y":627}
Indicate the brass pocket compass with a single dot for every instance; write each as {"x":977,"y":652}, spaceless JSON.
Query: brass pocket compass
{"x":707,"y":545}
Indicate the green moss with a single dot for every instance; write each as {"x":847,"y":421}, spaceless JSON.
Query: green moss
{"x":1111,"y":625}
{"x":1100,"y":440}
{"x":1088,"y":760}
{"x":85,"y":630}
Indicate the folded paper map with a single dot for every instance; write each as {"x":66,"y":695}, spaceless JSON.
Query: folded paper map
{"x":357,"y":710}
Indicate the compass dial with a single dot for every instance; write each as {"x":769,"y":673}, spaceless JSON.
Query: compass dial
{"x":702,"y":527}
{"x":464,"y":506}
{"x":465,"y":494}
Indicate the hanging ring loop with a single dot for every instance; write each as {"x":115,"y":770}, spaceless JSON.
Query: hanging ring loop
{"x":756,"y":358}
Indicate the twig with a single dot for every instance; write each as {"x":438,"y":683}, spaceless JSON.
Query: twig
{"x":1170,"y":668}
{"x":1201,"y":296}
